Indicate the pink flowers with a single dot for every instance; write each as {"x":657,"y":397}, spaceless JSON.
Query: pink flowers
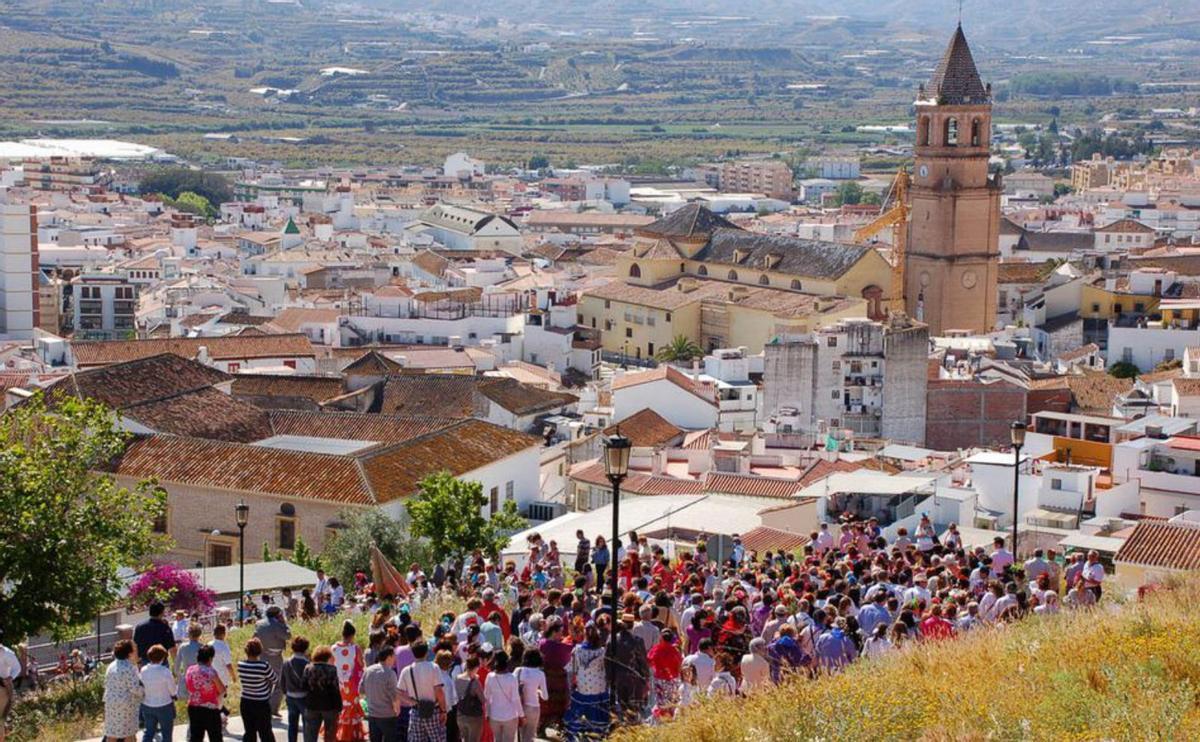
{"x":174,"y":586}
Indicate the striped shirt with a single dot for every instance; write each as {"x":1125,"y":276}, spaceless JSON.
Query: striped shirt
{"x":257,"y":679}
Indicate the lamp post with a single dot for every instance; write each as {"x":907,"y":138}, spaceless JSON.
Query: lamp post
{"x":1018,"y":440}
{"x":207,"y":536}
{"x":243,"y":515}
{"x":616,"y":467}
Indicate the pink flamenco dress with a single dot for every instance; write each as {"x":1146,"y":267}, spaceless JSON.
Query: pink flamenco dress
{"x":348,"y":659}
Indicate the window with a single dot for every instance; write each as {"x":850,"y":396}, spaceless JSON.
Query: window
{"x":494,"y":499}
{"x":835,"y":393}
{"x":951,"y":132}
{"x":650,"y":350}
{"x":608,"y":325}
{"x":1169,"y":354}
{"x":1056,"y":484}
{"x":923,"y":138}
{"x":1117,"y":308}
{"x":837,"y":365}
{"x":1127,"y":354}
{"x":628,"y":316}
{"x":702,"y":270}
{"x":682,"y":267}
{"x":285,"y":533}
{"x":234,"y":367}
{"x":220,"y":554}
{"x":289,"y":364}
{"x":161,"y":523}
{"x":668,"y":316}
{"x":1139,"y":307}
{"x":594,"y":323}
{"x":831,"y":341}
{"x":1096,"y":308}
{"x":732,"y":275}
{"x":975,"y":133}
{"x":607,"y":304}
{"x":508,"y":491}
{"x":795,"y":284}
{"x":628,"y":332}
{"x":650,"y":320}
{"x":763,"y":280}
{"x":635,"y":271}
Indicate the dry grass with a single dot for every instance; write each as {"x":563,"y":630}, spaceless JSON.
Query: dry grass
{"x":1128,"y":673}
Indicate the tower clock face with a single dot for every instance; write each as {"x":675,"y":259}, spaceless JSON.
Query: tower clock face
{"x":924,"y":171}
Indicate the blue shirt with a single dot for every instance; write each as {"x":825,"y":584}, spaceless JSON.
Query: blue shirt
{"x":835,"y":650}
{"x":871,"y":616}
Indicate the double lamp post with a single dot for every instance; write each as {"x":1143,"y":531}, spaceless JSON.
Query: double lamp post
{"x":616,"y":467}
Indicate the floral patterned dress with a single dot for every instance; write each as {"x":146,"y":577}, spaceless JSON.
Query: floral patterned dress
{"x":123,"y":695}
{"x":348,"y":659}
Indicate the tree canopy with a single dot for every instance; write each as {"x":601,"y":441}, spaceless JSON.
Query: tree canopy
{"x":350,"y":550}
{"x":173,"y":182}
{"x":681,"y":348}
{"x":448,"y":513}
{"x":68,"y":531}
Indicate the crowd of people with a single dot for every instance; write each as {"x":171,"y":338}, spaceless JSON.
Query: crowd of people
{"x":534,"y":649}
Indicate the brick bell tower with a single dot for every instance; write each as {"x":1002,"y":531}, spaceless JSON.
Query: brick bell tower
{"x":953,"y":241}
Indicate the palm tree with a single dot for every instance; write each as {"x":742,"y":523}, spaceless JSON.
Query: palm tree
{"x":680,"y":349}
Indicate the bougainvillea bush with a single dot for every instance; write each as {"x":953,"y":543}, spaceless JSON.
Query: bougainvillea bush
{"x":174,"y":586}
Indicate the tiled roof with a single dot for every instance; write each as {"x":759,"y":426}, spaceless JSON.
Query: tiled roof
{"x":665,"y":296}
{"x":169,"y":394}
{"x":668,"y":373}
{"x":443,"y":395}
{"x":372,"y":362}
{"x":315,"y":388}
{"x":755,"y":251}
{"x":687,"y":221}
{"x":1186,"y":387}
{"x":1162,"y":545}
{"x":647,"y":428}
{"x":523,"y":399}
{"x":638,"y":483}
{"x":1022,"y":272}
{"x":430,"y":262}
{"x":1156,"y":376}
{"x":1127,"y":226}
{"x":956,"y":80}
{"x":372,"y":476}
{"x":1080,"y":352}
{"x":234,"y":466}
{"x":469,"y":445}
{"x":765,"y":538}
{"x":290,"y":320}
{"x":559,"y":218}
{"x":750,"y":485}
{"x":357,"y":426}
{"x":1096,"y":391}
{"x":100,"y":352}
{"x":823,"y":468}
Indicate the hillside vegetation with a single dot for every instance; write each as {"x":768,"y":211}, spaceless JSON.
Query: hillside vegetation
{"x":1127,"y":673}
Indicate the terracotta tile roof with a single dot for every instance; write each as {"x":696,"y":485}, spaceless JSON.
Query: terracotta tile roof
{"x":1080,"y":352}
{"x":523,"y":399}
{"x":1023,"y":272}
{"x":290,"y":320}
{"x":101,"y":352}
{"x":372,"y":476}
{"x":1163,"y":545}
{"x":315,"y":388}
{"x":168,"y":394}
{"x":765,"y":538}
{"x":1126,"y":225}
{"x":1096,"y":391}
{"x":1186,"y":387}
{"x":204,"y":413}
{"x":665,"y":296}
{"x":637,"y":483}
{"x":751,"y":486}
{"x":235,"y":466}
{"x":1050,"y":382}
{"x":242,"y":318}
{"x":647,"y":428}
{"x":699,"y":440}
{"x":356,"y":426}
{"x":823,"y":468}
{"x":372,"y":363}
{"x":1157,"y":376}
{"x":459,"y":449}
{"x":668,"y":373}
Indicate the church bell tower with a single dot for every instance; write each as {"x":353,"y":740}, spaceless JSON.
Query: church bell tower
{"x":953,"y":249}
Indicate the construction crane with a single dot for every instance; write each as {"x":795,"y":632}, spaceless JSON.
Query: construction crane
{"x":893,"y":214}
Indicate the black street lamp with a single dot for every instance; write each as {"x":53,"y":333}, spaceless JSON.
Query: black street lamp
{"x":243,"y":516}
{"x":1018,"y":440}
{"x":616,"y":467}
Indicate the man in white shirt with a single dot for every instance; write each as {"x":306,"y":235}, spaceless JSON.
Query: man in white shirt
{"x":703,"y":662}
{"x":824,"y":540}
{"x":421,"y":681}
{"x":918,"y":593}
{"x":322,"y":585}
{"x":1093,"y":574}
{"x":1001,"y":557}
{"x":179,"y":627}
{"x":223,"y":656}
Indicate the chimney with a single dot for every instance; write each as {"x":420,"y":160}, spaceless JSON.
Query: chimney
{"x":202,"y":355}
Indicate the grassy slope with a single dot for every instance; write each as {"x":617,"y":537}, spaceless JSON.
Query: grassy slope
{"x":1132,"y":673}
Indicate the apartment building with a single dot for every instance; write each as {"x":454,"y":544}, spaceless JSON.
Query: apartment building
{"x":19,"y":279}
{"x":103,"y":306}
{"x":772,"y":177}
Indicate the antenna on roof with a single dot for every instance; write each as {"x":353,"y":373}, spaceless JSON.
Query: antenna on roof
{"x":960,"y":2}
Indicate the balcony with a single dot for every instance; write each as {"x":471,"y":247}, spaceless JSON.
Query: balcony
{"x":91,"y":307}
{"x":124,"y":306}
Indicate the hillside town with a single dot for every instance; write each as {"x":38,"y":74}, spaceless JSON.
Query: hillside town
{"x":966,"y":356}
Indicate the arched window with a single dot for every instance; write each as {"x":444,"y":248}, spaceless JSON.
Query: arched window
{"x":635,"y":271}
{"x":702,"y":270}
{"x":951,"y":132}
{"x":732,"y":275}
{"x":976,"y":136}
{"x":923,"y":133}
{"x":795,"y":284}
{"x":763,"y":280}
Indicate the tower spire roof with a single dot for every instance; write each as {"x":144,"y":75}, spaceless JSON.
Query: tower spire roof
{"x":956,"y":80}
